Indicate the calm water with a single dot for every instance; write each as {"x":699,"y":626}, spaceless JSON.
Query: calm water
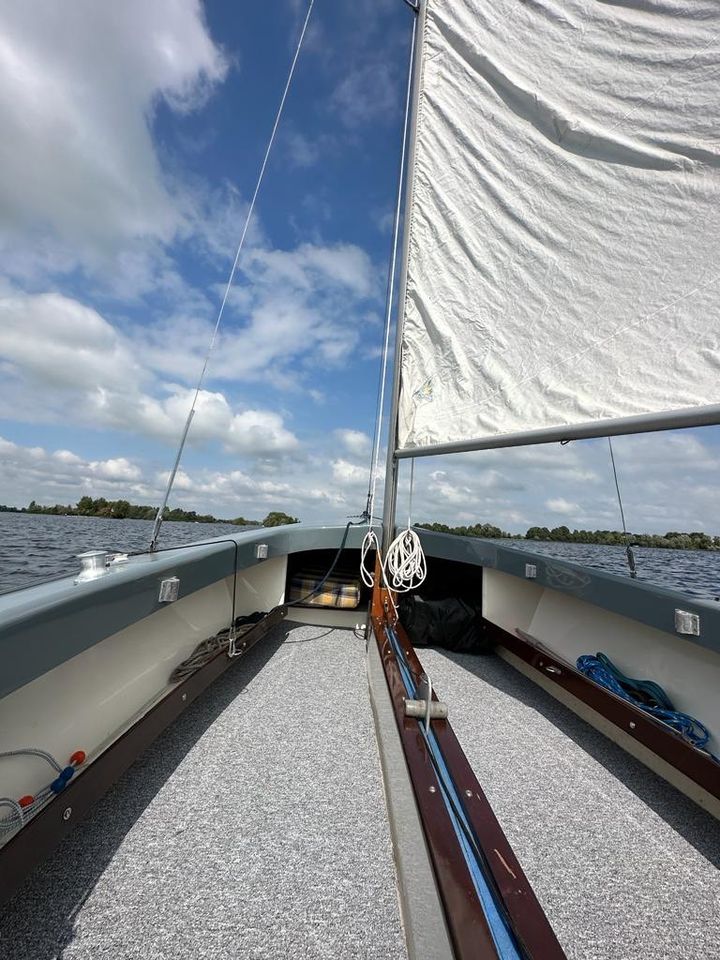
{"x":34,"y":547}
{"x":694,"y":572}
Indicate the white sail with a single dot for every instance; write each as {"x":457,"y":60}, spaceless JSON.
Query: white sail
{"x":563,"y":258}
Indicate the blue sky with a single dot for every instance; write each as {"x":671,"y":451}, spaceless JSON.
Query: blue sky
{"x":133,"y":135}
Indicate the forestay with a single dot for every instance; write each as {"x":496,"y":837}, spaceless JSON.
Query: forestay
{"x":563,"y":260}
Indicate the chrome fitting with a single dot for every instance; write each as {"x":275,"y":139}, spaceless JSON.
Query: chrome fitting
{"x":94,"y":565}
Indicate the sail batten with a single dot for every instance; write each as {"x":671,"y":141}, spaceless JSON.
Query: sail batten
{"x":563,"y":256}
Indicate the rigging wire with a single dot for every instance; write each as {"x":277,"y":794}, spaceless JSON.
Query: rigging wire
{"x":228,"y":285}
{"x":370,"y":543}
{"x":628,"y":548}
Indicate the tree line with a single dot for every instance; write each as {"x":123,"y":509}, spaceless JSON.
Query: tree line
{"x":124,"y":510}
{"x":672,"y":540}
{"x":478,"y":530}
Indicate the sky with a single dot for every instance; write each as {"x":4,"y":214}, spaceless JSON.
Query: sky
{"x":132,"y":138}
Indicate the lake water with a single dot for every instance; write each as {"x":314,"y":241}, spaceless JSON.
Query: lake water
{"x":35,"y":547}
{"x":694,"y":572}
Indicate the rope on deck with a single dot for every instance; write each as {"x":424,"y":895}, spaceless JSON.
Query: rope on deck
{"x":27,"y":806}
{"x":645,"y":694}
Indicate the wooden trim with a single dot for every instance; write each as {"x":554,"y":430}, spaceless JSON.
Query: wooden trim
{"x":528,"y":919}
{"x":465,"y":917}
{"x":468,"y":928}
{"x":695,"y":764}
{"x":38,"y":838}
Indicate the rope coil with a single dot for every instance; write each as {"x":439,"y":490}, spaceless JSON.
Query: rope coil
{"x":404,"y":566}
{"x":645,"y":694}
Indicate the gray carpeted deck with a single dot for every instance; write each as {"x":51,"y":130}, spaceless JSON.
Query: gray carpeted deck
{"x":625,"y":867}
{"x":255,"y":827}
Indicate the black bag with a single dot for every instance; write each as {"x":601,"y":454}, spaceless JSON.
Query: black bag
{"x":452,"y":623}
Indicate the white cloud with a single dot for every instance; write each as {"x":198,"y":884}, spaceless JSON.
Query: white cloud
{"x":563,"y":507}
{"x":63,"y":476}
{"x":287,"y":306}
{"x":663,"y":480}
{"x":67,"y":456}
{"x":63,"y":361}
{"x":349,"y":474}
{"x":255,"y":432}
{"x":355,"y":441}
{"x":302,"y":152}
{"x":367,"y":93}
{"x":63,"y":343}
{"x":384,"y":219}
{"x":118,"y":469}
{"x":322,"y":487}
{"x":78,"y":90}
{"x":344,"y":266}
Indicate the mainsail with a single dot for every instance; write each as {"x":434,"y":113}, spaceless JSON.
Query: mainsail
{"x":563,"y":250}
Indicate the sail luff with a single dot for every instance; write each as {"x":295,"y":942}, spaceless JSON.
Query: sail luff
{"x":391,"y":468}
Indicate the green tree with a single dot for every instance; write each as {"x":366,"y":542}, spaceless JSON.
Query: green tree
{"x":561,"y":534}
{"x":277,"y":518}
{"x":538,"y":533}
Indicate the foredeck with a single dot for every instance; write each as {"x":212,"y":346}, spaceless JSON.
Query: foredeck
{"x":254,"y":827}
{"x":625,"y":867}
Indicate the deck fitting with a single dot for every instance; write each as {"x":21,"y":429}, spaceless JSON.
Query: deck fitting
{"x":419,"y":708}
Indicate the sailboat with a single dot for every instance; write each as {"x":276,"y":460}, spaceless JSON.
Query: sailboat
{"x":235,"y":748}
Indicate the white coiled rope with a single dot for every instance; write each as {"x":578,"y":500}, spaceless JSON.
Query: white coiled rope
{"x":370,"y":544}
{"x":404,"y":567}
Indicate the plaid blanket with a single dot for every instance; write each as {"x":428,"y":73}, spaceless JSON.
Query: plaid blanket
{"x":342,"y":592}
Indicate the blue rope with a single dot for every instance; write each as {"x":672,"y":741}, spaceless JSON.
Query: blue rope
{"x":646,"y":695}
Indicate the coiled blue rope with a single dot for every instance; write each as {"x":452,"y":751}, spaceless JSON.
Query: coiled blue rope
{"x":646,"y":695}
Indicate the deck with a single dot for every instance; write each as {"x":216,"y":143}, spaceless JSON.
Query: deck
{"x":256,"y":826}
{"x":624,"y":865}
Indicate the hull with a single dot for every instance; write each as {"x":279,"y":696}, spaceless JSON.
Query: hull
{"x":74,"y":682}
{"x":89,"y":667}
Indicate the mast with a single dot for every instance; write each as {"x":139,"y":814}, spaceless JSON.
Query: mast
{"x":391,"y":469}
